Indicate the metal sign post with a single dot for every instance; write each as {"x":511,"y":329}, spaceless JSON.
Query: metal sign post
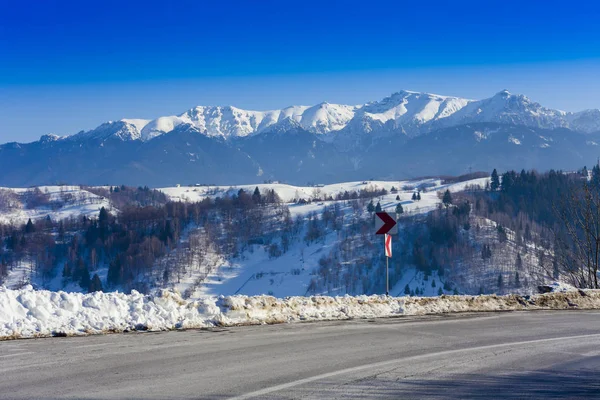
{"x":388,"y":255}
{"x":386,"y":225}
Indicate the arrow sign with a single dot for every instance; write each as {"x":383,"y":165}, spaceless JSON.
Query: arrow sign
{"x":388,"y":245}
{"x":385,"y":223}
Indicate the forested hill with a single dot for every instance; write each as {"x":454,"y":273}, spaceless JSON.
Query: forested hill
{"x":507,"y":233}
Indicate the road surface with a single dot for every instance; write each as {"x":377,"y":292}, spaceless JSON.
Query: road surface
{"x":499,"y":355}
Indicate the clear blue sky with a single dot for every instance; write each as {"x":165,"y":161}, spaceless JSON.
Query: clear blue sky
{"x":68,"y":66}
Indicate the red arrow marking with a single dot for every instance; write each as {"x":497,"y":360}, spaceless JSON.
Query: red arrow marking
{"x":388,"y":245}
{"x":388,"y":223}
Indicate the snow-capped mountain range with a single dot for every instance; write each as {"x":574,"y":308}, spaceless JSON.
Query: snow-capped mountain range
{"x":405,"y":135}
{"x":412,"y":113}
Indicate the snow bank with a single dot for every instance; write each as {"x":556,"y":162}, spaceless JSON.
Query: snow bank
{"x":29,"y":313}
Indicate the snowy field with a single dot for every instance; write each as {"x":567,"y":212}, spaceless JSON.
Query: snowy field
{"x":74,"y":200}
{"x":29,"y":313}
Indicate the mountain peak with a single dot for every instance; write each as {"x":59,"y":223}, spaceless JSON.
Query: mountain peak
{"x":405,"y":111}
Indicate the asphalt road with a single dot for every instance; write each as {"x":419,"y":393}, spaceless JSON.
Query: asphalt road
{"x":501,"y":355}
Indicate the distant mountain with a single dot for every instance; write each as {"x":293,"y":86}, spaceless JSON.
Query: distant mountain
{"x":404,"y":135}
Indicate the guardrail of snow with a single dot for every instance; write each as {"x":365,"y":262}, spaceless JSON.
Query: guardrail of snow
{"x":29,"y":313}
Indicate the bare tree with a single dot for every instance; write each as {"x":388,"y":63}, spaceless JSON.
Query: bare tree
{"x":578,"y":254}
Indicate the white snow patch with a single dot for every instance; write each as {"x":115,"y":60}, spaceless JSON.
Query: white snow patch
{"x":514,"y":140}
{"x":29,"y":313}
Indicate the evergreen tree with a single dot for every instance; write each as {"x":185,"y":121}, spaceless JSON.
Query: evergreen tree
{"x":517,"y":280}
{"x":508,"y":180}
{"x":407,"y":289}
{"x":500,"y":282}
{"x":518,"y":262}
{"x":495,"y":181}
{"x":256,"y":198}
{"x":399,"y":209}
{"x":114,"y":273}
{"x":378,"y":207}
{"x":447,"y":199}
{"x":370,"y":207}
{"x":95,"y":284}
{"x":502,"y":236}
{"x":440,"y":292}
{"x":418,"y":196}
{"x":103,"y":222}
{"x":84,"y":279}
{"x":29,"y":228}
{"x":398,"y":197}
{"x":596,"y":175}
{"x":66,"y":270}
{"x":433,"y":283}
{"x":414,"y":196}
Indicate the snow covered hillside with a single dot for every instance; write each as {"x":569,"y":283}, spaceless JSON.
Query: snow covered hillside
{"x":17,"y":205}
{"x":256,"y":272}
{"x":278,"y":239}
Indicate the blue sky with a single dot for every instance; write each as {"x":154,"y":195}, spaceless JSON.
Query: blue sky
{"x":68,"y":66}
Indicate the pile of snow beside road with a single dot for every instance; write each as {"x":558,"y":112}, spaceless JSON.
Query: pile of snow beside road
{"x":28,"y":313}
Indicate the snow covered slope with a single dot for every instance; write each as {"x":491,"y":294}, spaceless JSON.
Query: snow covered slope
{"x":62,"y":202}
{"x":254,"y":272}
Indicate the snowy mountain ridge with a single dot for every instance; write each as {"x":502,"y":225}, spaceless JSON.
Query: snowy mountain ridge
{"x":411,"y":113}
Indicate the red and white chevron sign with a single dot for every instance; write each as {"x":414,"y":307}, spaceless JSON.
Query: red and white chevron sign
{"x":388,"y":245}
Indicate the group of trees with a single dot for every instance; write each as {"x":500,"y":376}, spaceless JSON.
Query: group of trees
{"x":130,"y":242}
{"x":559,"y":211}
{"x":523,"y":228}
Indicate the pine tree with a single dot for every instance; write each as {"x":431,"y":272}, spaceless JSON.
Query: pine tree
{"x":517,"y":280}
{"x":433,"y":283}
{"x":378,"y":207}
{"x":440,"y":291}
{"x":398,"y":197}
{"x":399,"y":209}
{"x":370,"y":207}
{"x":407,"y":289}
{"x":495,"y":181}
{"x":256,"y":198}
{"x":518,"y":262}
{"x":414,"y":196}
{"x":95,"y":284}
{"x":447,"y":199}
{"x":500,"y":282}
{"x":84,"y":279}
{"x":114,"y":273}
{"x":103,"y":224}
{"x":596,"y":175}
{"x":29,"y":228}
{"x":418,"y":196}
